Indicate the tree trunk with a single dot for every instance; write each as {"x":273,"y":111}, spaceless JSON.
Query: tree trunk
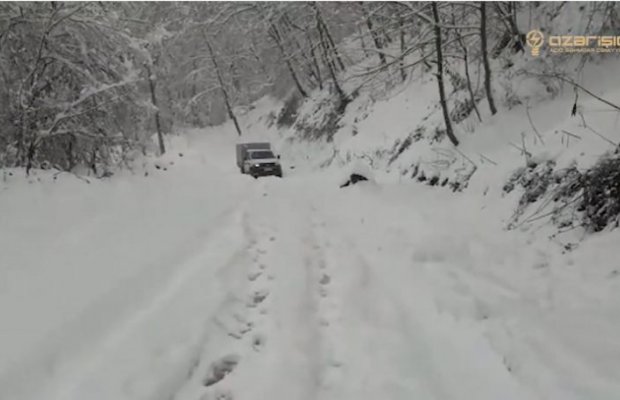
{"x":344,"y":100}
{"x":361,"y":33}
{"x":315,"y":62}
{"x":278,"y":39}
{"x":32,"y":149}
{"x":401,"y":27}
{"x":470,"y":89}
{"x":69,"y":152}
{"x":373,"y":34}
{"x":519,"y":38}
{"x":93,"y":161}
{"x":160,"y":135}
{"x":329,"y":41}
{"x":334,"y":50}
{"x":442,"y":94}
{"x":510,"y":15}
{"x":469,"y":86}
{"x":485,"y":57}
{"x":218,"y":73}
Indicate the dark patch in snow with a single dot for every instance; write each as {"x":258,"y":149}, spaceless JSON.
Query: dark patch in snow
{"x":353,"y":179}
{"x":258,"y":297}
{"x":252,"y":276}
{"x":258,"y":341}
{"x":220,"y":368}
{"x":401,"y":149}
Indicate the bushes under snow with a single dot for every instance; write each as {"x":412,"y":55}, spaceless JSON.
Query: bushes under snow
{"x":589,"y":198}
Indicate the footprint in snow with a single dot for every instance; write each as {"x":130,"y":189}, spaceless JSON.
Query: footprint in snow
{"x":258,"y":297}
{"x":253,"y":275}
{"x":220,"y":368}
{"x":218,"y":395}
{"x":325,"y":279}
{"x":246,"y":328}
{"x":258,"y":341}
{"x":224,"y":396}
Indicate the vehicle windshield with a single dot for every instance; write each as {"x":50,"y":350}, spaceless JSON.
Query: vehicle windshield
{"x":259,"y":155}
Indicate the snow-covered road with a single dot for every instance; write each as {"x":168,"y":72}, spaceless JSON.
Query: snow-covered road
{"x":201,"y":284}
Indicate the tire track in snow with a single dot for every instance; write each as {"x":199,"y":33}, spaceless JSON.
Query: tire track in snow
{"x":283,"y":356}
{"x":214,"y":377}
{"x":328,"y":309}
{"x":414,"y":349}
{"x":168,"y":349}
{"x":128,"y":306}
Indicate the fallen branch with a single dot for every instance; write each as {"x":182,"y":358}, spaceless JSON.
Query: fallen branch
{"x":571,"y":134}
{"x":522,"y":150}
{"x":529,"y":117}
{"x":487,"y":158}
{"x":575,"y":84}
{"x":585,"y":125}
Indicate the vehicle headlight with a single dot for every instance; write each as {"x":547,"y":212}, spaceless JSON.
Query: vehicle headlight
{"x":257,"y":165}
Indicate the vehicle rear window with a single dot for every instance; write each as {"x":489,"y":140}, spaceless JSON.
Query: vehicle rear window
{"x":259,"y":155}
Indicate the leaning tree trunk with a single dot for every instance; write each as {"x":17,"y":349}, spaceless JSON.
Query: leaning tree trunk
{"x":331,"y":67}
{"x":329,"y":40}
{"x":278,"y":39}
{"x":485,"y":57}
{"x":470,"y":89}
{"x":363,"y":44}
{"x":401,"y":26}
{"x":227,"y":102}
{"x":314,"y":65}
{"x":160,"y":135}
{"x":373,"y":33}
{"x":442,"y":94}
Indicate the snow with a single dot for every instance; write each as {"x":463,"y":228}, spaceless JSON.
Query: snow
{"x":186,"y":280}
{"x":140,"y":287}
{"x":82,"y":263}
